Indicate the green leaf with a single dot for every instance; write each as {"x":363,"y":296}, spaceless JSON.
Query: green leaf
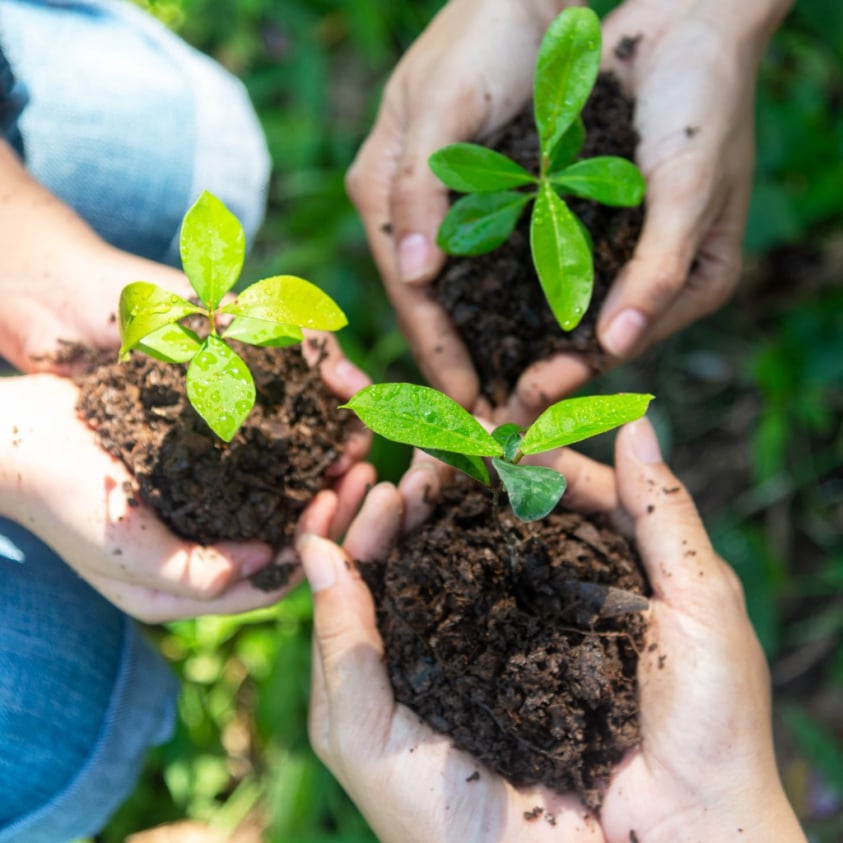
{"x":474,"y":467}
{"x":173,"y":344}
{"x":213,"y":247}
{"x":220,"y":387}
{"x":480,"y":222}
{"x":509,"y":436}
{"x":423,"y":417}
{"x":533,"y":490}
{"x":562,"y":258}
{"x":608,"y":179}
{"x":262,"y":333}
{"x":289,"y":300}
{"x":575,"y":419}
{"x":568,"y":147}
{"x":566,"y":70}
{"x":144,"y":308}
{"x":471,"y":168}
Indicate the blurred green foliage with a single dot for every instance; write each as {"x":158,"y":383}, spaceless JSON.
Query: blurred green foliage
{"x":766,"y":371}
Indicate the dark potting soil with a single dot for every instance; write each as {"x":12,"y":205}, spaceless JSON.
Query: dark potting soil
{"x":496,"y":301}
{"x":502,"y":644}
{"x":204,"y":489}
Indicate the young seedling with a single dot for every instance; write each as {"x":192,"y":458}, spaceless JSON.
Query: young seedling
{"x":428,"y":419}
{"x":566,"y":70}
{"x":269,"y":313}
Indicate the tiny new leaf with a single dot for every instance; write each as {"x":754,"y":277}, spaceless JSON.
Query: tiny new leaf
{"x":470,"y":168}
{"x":509,"y":435}
{"x":575,"y":419}
{"x":533,"y":490}
{"x":220,"y":387}
{"x":422,"y":417}
{"x":213,"y":248}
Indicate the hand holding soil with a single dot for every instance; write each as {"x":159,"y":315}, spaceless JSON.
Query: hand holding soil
{"x":57,"y":479}
{"x":692,"y":77}
{"x":705,"y":767}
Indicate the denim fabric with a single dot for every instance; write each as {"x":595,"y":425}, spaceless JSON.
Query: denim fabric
{"x":127,"y":125}
{"x":82,"y":697}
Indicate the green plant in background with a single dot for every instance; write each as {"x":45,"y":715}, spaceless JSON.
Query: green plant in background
{"x":269,"y":313}
{"x":566,"y":70}
{"x":426,"y":418}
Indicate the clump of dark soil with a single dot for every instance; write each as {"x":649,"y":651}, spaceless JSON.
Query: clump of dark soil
{"x":204,"y":489}
{"x":504,"y":639}
{"x":496,"y":300}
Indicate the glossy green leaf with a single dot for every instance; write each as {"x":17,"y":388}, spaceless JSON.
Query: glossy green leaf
{"x":474,"y":467}
{"x":289,"y":300}
{"x":566,"y":70}
{"x":480,"y":222}
{"x":213,"y":247}
{"x":172,"y":344}
{"x":423,"y":417}
{"x":470,"y":168}
{"x":562,"y":258}
{"x":568,"y":147}
{"x":607,"y":179}
{"x":575,"y":419}
{"x":144,"y":308}
{"x":509,"y":436}
{"x":262,"y":333}
{"x":533,"y":490}
{"x":220,"y":387}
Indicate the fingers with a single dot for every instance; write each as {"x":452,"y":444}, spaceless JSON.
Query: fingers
{"x":681,"y":564}
{"x":350,"y":685}
{"x":350,"y":490}
{"x":419,"y":489}
{"x":542,"y":384}
{"x":340,"y":375}
{"x":373,"y":532}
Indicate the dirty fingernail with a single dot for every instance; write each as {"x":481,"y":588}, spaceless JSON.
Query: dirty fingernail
{"x":644,"y":444}
{"x":414,"y":254}
{"x":322,"y":561}
{"x":624,"y":331}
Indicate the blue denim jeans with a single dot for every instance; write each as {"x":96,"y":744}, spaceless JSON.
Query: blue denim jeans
{"x":127,"y":125}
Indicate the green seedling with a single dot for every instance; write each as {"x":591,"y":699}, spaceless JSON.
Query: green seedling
{"x":269,"y":313}
{"x":499,"y":189}
{"x":426,"y":418}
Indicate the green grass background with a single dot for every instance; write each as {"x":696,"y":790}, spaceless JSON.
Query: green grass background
{"x":749,"y":406}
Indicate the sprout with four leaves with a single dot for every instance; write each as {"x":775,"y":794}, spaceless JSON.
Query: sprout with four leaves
{"x":566,"y":70}
{"x":428,"y":419}
{"x":269,"y":313}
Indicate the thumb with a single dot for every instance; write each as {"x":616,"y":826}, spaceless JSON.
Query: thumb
{"x":351,"y":697}
{"x":674,"y":546}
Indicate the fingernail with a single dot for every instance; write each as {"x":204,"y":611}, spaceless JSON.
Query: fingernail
{"x":414,"y":255}
{"x":322,"y":561}
{"x":624,"y":331}
{"x":354,"y":379}
{"x":644,"y":444}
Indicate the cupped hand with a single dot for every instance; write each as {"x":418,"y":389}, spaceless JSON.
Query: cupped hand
{"x":705,"y":767}
{"x":468,"y":73}
{"x":59,"y":483}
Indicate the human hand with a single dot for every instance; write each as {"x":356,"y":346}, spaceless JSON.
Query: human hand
{"x":705,"y":766}
{"x":59,"y":483}
{"x":469,"y":73}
